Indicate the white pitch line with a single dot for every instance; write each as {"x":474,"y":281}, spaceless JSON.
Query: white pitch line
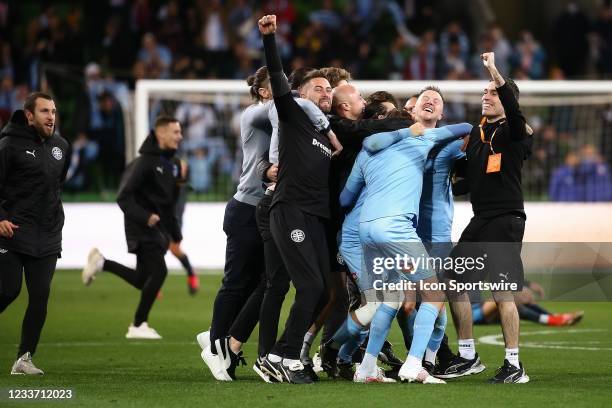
{"x":497,"y":340}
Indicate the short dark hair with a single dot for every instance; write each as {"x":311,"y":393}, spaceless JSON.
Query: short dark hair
{"x":431,"y":88}
{"x":256,"y":81}
{"x":164,"y":120}
{"x":382,"y":96}
{"x":315,"y":73}
{"x":373,"y":110}
{"x":334,"y":75}
{"x":296,"y":77}
{"x":513,"y":87}
{"x":30,"y":101}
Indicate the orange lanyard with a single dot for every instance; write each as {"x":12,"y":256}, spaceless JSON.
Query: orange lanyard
{"x":482,"y":135}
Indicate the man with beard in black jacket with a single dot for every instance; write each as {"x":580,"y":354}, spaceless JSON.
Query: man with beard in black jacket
{"x":147,"y":196}
{"x":33,"y":167}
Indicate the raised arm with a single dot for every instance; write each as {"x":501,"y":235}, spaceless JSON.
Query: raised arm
{"x":278,"y":80}
{"x":516,"y":120}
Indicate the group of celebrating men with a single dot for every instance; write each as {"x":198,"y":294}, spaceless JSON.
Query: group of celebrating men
{"x":333,"y":185}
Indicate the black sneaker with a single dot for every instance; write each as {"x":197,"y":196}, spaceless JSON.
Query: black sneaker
{"x":346,"y":370}
{"x":460,"y":367}
{"x":429,"y":367}
{"x":393,"y":373}
{"x":309,"y":368}
{"x":509,"y":374}
{"x":295,"y":373}
{"x":258,"y":368}
{"x":328,"y":360}
{"x":273,"y":370}
{"x":229,"y":359}
{"x":387,"y":356}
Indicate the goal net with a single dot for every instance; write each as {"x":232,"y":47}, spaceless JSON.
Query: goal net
{"x":572,"y":120}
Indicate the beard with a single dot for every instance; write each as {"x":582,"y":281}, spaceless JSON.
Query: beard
{"x":324,"y":105}
{"x":43,"y":131}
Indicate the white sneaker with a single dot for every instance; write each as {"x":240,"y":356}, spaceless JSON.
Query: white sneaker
{"x":203,"y":339}
{"x":379,"y":377}
{"x":95,"y":261}
{"x":421,"y":375}
{"x":142,"y":332}
{"x":214,"y":364}
{"x":24,"y":366}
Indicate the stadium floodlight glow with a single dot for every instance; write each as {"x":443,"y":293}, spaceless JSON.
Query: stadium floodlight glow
{"x":587,"y":90}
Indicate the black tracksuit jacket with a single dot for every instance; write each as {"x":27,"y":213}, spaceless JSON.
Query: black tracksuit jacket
{"x":32,"y":172}
{"x":149,"y":186}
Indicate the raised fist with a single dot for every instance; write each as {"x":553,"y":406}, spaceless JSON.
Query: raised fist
{"x":488,"y":59}
{"x":267,"y":24}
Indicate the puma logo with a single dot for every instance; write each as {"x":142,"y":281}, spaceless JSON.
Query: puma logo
{"x":161,"y":170}
{"x":504,"y":275}
{"x":33,"y":153}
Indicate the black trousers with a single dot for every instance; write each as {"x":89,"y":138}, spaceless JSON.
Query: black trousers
{"x":301,"y":241}
{"x":38,"y":274}
{"x":148,"y":277}
{"x":277,"y":281}
{"x":244,"y":269}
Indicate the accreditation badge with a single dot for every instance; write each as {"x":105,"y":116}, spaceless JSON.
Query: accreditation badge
{"x":494,"y":163}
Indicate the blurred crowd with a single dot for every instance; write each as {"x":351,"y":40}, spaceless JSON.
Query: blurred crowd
{"x":89,"y":54}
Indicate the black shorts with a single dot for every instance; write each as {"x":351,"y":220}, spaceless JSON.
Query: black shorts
{"x":490,"y":248}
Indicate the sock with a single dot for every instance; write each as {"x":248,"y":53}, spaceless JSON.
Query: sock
{"x":100,"y":264}
{"x":348,"y":349}
{"x":411,"y":319}
{"x":349,"y":329}
{"x":423,"y":327}
{"x":526,"y":313}
{"x":379,"y":328}
{"x":305,"y":353}
{"x":413,"y":363}
{"x":430,"y":355}
{"x":466,"y":349}
{"x":537,"y":308}
{"x":274,"y":358}
{"x":288,"y":362}
{"x":186,"y":264}
{"x":543,"y":319}
{"x":368,"y":365}
{"x":436,"y":337}
{"x":512,"y":355}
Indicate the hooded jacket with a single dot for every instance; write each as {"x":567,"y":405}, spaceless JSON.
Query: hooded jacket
{"x":150,"y":186}
{"x":32,"y":173}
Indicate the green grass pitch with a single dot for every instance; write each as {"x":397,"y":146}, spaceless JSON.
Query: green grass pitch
{"x":83,"y":348}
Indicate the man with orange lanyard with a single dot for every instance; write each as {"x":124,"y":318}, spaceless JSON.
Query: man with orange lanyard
{"x":495,"y":155}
